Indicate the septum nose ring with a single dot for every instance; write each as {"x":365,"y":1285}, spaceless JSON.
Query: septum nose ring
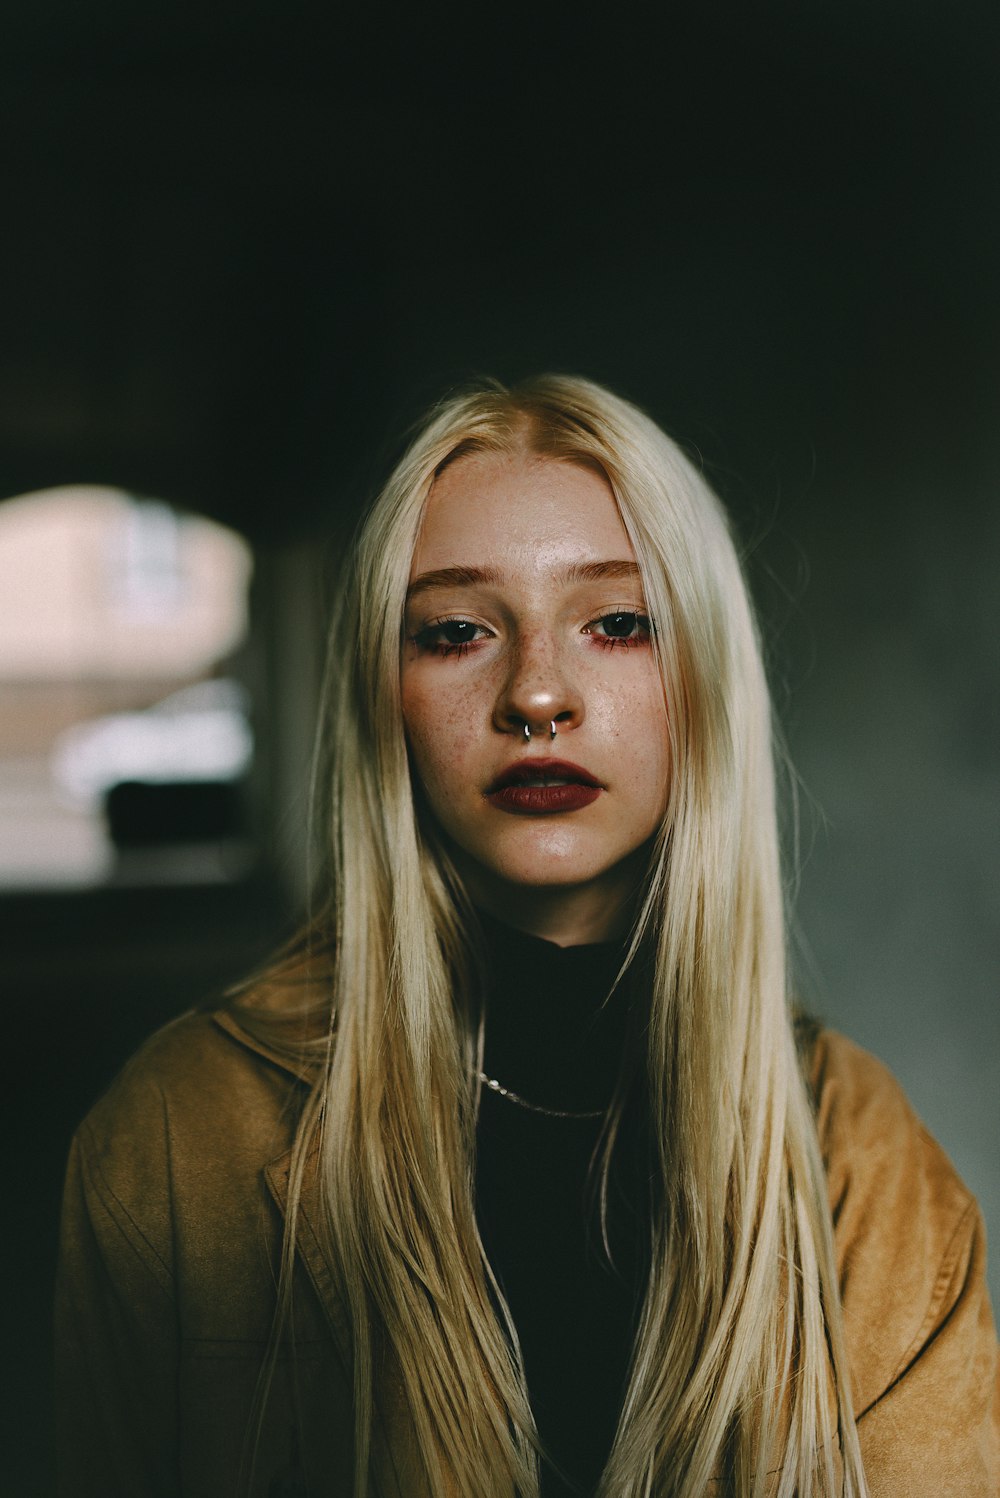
{"x":552,"y":729}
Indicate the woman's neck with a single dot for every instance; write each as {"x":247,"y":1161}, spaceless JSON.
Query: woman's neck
{"x":555,"y":1022}
{"x":602,"y":910}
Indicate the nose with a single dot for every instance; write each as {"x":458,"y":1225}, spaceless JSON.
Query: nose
{"x":539,"y":695}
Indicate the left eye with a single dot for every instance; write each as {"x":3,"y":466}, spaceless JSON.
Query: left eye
{"x":624,"y":627}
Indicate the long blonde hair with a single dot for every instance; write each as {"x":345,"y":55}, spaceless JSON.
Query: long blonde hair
{"x":739,"y":1370}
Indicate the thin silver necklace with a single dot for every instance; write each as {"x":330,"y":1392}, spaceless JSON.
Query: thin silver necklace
{"x":522,"y":1102}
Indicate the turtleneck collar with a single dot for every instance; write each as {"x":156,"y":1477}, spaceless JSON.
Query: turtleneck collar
{"x":550,"y":1036}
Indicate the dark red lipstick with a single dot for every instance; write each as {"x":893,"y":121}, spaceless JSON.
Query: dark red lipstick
{"x":539,"y":787}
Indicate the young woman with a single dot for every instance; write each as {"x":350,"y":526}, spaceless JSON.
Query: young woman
{"x":517,"y":1175}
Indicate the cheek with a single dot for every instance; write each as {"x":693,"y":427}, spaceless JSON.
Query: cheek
{"x":631,"y":705}
{"x":636,"y":723}
{"x":439,"y":731}
{"x":659,"y":778}
{"x":657,"y":756}
{"x":650,"y":774}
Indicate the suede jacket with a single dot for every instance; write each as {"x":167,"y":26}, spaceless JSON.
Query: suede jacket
{"x":172,"y":1222}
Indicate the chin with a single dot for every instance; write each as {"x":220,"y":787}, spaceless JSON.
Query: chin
{"x":543,"y":867}
{"x":547,"y":878}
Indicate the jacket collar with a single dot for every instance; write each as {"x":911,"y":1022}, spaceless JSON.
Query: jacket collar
{"x":226,"y":1020}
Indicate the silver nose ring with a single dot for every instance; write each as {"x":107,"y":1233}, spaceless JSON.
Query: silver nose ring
{"x":552,"y":729}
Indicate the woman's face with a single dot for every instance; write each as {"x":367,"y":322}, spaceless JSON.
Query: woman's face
{"x":525,"y":607}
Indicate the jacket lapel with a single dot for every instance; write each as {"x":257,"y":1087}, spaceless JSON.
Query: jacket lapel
{"x":397,"y":1467}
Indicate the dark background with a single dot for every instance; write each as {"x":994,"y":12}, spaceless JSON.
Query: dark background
{"x":243,"y":246}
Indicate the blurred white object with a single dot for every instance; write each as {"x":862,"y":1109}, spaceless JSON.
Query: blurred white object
{"x":96,"y":585}
{"x":201,"y":733}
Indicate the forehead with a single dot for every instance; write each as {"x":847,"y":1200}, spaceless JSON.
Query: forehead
{"x":519,"y":511}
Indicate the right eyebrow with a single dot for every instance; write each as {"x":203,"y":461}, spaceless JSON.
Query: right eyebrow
{"x":452,"y":577}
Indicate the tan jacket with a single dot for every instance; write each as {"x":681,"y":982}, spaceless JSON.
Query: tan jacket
{"x":172,"y":1220}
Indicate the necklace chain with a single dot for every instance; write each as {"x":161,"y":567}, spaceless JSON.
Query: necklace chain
{"x":514,"y":1097}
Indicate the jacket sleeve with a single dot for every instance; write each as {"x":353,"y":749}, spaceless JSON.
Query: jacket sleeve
{"x":911,"y":1259}
{"x":936,"y":1428}
{"x":115,"y":1326}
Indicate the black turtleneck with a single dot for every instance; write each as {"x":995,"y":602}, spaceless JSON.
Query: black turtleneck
{"x":552,"y":1039}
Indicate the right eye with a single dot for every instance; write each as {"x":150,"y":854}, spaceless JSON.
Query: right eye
{"x":449,"y":636}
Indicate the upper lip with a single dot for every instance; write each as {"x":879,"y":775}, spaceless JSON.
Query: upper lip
{"x":524,"y":770}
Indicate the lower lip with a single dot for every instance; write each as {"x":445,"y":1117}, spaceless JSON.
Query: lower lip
{"x":543,"y":800}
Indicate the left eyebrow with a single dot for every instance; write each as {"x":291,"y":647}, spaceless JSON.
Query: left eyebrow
{"x":624,"y":570}
{"x":599,"y":572}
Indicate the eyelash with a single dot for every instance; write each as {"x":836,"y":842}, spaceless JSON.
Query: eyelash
{"x":424,"y":638}
{"x":630,"y":642}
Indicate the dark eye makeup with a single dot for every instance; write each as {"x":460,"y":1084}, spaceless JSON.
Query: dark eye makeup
{"x":623,"y":627}
{"x":454,"y":637}
{"x":448,"y":636}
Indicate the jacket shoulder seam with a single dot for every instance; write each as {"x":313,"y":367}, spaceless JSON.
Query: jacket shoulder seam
{"x":946,"y":1270}
{"x":127,"y":1225}
{"x":927,"y":1327}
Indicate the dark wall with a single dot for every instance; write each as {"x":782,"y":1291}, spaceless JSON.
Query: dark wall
{"x":243,"y":247}
{"x":239,"y":249}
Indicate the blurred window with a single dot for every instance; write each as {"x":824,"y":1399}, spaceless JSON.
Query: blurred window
{"x":145,"y":562}
{"x":121,"y":626}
